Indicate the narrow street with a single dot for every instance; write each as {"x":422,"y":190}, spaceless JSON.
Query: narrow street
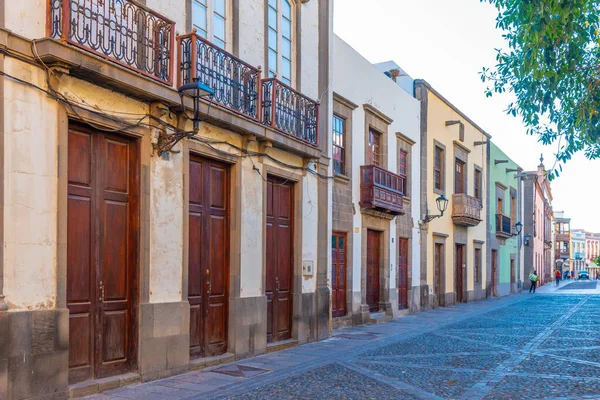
{"x":520,"y":347}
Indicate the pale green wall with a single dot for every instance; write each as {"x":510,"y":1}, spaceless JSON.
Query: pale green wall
{"x":498,"y":174}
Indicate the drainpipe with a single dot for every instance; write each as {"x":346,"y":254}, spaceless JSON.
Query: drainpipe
{"x":3,"y":305}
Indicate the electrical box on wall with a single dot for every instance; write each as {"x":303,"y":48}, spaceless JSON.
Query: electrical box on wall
{"x":307,"y":268}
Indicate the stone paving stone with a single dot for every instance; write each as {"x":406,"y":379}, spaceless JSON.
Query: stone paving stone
{"x":445,"y":383}
{"x":539,"y":364}
{"x":526,"y":388}
{"x":426,"y":344}
{"x":521,"y":347}
{"x":329,"y":382}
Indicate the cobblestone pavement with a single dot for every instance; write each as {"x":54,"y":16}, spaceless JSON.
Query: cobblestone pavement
{"x":542,"y":346}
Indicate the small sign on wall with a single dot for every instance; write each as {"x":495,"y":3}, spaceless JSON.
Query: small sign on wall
{"x":307,"y":268}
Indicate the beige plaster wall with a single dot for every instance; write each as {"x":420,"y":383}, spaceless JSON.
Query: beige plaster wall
{"x":310,"y":49}
{"x":30,"y":203}
{"x":26,"y":18}
{"x":252,"y":32}
{"x":251,"y":217}
{"x":166,"y":228}
{"x":438,"y":113}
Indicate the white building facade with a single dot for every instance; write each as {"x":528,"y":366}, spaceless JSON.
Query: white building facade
{"x":375,"y":273}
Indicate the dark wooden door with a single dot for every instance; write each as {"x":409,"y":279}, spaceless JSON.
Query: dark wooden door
{"x":402,"y":273}
{"x":338,"y":274}
{"x":102,"y":254}
{"x":459,"y":275}
{"x":438,"y":263}
{"x":208,"y":264}
{"x":373,"y":267}
{"x":494,"y":272}
{"x":279,"y":262}
{"x":513,"y":274}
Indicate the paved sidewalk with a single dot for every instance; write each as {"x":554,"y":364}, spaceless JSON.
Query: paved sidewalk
{"x":519,"y":347}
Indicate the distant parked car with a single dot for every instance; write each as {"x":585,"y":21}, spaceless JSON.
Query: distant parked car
{"x":584,"y":274}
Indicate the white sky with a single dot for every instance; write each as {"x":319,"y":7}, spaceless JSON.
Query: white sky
{"x":447,"y":42}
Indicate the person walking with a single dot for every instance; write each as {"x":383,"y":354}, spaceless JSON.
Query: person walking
{"x":533,"y":278}
{"x":557,"y":276}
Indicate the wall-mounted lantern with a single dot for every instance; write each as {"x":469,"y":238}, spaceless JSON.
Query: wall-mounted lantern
{"x":527,"y":239}
{"x":196,"y":90}
{"x":518,"y":229}
{"x":442,"y":205}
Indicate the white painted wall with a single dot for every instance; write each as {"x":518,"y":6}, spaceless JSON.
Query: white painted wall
{"x":166,"y":228}
{"x":30,"y":199}
{"x":26,"y":18}
{"x":362,"y":83}
{"x":252,"y":216}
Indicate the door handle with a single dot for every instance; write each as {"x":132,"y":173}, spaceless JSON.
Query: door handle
{"x":101,"y":292}
{"x":277,"y":284}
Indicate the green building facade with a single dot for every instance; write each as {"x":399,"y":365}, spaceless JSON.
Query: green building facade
{"x":504,"y":213}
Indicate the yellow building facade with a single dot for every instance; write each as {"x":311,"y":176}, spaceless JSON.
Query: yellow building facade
{"x":454,"y":153}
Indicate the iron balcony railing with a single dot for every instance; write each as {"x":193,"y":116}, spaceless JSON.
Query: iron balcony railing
{"x":236,"y":83}
{"x":466,"y":210}
{"x":289,"y":111}
{"x":122,"y":31}
{"x":380,"y":189}
{"x":503,"y":225}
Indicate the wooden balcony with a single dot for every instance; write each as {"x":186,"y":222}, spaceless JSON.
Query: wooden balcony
{"x":466,"y":210}
{"x":122,"y":31}
{"x":236,"y":83}
{"x":563,"y":237}
{"x":289,"y":111}
{"x":380,"y":190}
{"x":503,"y":226}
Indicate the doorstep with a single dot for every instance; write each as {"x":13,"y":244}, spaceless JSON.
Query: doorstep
{"x":282,"y":345}
{"x":200,"y":363}
{"x":379,"y":317}
{"x":101,"y":385}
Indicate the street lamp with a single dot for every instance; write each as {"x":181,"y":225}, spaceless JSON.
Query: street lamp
{"x":527,"y":238}
{"x":518,"y":229}
{"x":196,"y":90}
{"x":442,"y":205}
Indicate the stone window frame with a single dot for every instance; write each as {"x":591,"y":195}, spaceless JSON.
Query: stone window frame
{"x":442,"y":190}
{"x":344,"y":108}
{"x":342,"y":146}
{"x":405,"y":144}
{"x":461,"y":153}
{"x":478,"y":182}
{"x":377,"y":121}
{"x":514,"y":211}
{"x":296,"y":41}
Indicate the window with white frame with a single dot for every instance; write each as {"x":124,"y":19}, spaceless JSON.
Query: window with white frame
{"x":209,"y":18}
{"x":279,"y":58}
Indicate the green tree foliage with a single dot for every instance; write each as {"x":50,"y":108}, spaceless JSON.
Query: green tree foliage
{"x":552,"y":66}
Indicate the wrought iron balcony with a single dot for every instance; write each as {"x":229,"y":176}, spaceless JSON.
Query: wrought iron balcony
{"x":236,"y":83}
{"x":466,"y":210}
{"x":503,"y":226}
{"x":121,"y":31}
{"x":380,"y":189}
{"x":289,"y":111}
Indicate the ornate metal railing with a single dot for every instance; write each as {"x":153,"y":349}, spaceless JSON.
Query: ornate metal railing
{"x":290,"y":111}
{"x":122,"y":31}
{"x":236,"y":83}
{"x":466,"y":210}
{"x":503,"y":225}
{"x":380,"y":190}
